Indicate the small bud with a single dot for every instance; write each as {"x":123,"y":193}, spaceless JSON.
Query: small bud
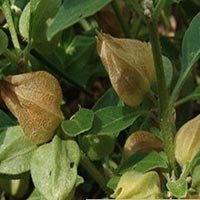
{"x":187,"y":141}
{"x":135,"y":185}
{"x":130,"y":66}
{"x":141,"y":141}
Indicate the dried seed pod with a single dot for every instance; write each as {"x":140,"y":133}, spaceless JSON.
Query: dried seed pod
{"x":34,"y":98}
{"x":141,"y":141}
{"x":130,"y":66}
{"x":135,"y":185}
{"x":187,"y":141}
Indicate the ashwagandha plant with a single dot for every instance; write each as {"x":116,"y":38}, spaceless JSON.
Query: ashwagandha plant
{"x":138,"y":140}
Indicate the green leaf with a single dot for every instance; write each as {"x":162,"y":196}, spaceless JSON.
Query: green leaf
{"x":112,"y":183}
{"x":113,"y":119}
{"x":151,"y":161}
{"x":130,"y":162}
{"x":3,"y":42}
{"x":110,"y":98}
{"x":196,"y":178}
{"x":41,"y":12}
{"x":81,"y":57}
{"x":97,"y":146}
{"x":24,"y":22}
{"x":79,"y":123}
{"x":168,"y":70}
{"x":5,"y":121}
{"x":36,"y":195}
{"x":108,"y":122}
{"x":54,"y":169}
{"x":73,"y":11}
{"x":191,"y":44}
{"x":15,"y":152}
{"x":178,"y":188}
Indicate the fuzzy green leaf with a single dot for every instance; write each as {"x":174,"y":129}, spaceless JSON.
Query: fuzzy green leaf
{"x":97,"y":146}
{"x":79,"y":123}
{"x":178,"y":188}
{"x":36,"y":195}
{"x":108,"y":122}
{"x":113,"y":119}
{"x":151,"y":161}
{"x":54,"y":169}
{"x":15,"y":152}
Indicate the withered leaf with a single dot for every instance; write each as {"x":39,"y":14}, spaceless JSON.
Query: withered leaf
{"x":34,"y":98}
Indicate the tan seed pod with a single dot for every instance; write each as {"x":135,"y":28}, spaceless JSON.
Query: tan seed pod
{"x":187,"y":141}
{"x":34,"y":98}
{"x":135,"y":185}
{"x":142,"y":141}
{"x":130,"y":66}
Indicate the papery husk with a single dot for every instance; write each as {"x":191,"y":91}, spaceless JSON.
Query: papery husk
{"x":130,"y":66}
{"x":34,"y":98}
{"x":142,"y":141}
{"x":187,"y":141}
{"x":135,"y":185}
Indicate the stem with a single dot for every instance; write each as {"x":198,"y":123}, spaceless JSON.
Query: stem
{"x":165,"y":19}
{"x":86,"y":26}
{"x":166,"y":117}
{"x":122,"y":22}
{"x":137,"y":28}
{"x":93,"y":171}
{"x":186,"y":99}
{"x":137,"y":8}
{"x":8,"y":15}
{"x":182,"y":79}
{"x":11,"y":56}
{"x":158,"y":8}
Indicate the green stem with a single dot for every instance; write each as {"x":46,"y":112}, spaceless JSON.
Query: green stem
{"x":183,"y":77}
{"x":84,"y":23}
{"x":137,"y":8}
{"x":186,"y":99}
{"x":93,"y":171}
{"x":158,"y":8}
{"x":122,"y":22}
{"x":11,"y":56}
{"x":11,"y":26}
{"x":166,"y":117}
{"x":137,"y":27}
{"x":165,"y":19}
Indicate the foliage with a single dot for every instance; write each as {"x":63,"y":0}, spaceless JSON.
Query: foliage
{"x":99,"y":98}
